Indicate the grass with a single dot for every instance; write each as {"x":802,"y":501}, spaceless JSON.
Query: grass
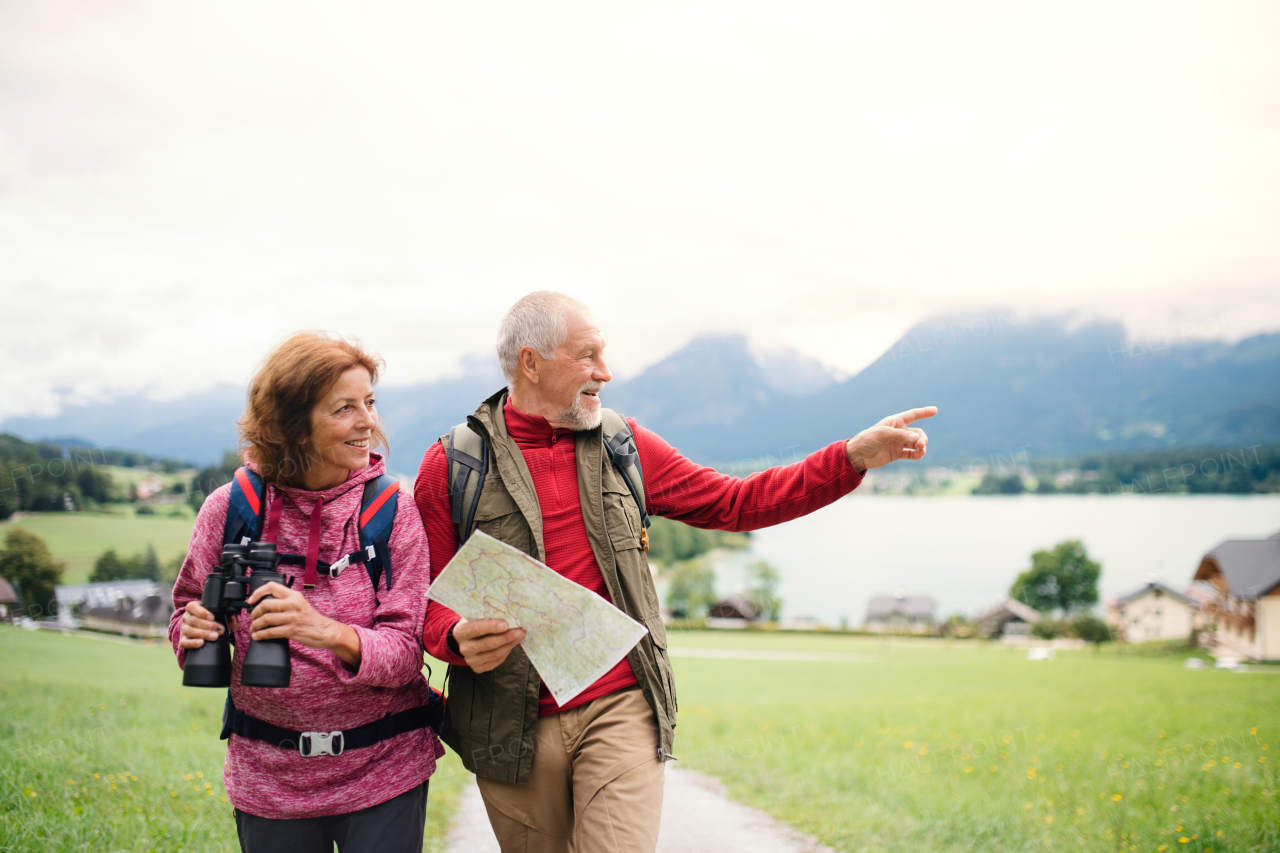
{"x":892,"y":751}
{"x":959,"y":746}
{"x":101,"y":748}
{"x":123,"y":477}
{"x":80,"y":537}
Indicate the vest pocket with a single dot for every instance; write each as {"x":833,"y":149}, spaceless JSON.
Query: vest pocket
{"x":499,"y":515}
{"x":662,"y":663}
{"x":622,"y":518}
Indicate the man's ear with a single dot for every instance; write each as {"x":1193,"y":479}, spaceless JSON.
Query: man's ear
{"x":528,"y":364}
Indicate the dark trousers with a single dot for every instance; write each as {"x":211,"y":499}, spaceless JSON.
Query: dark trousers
{"x":395,"y":826}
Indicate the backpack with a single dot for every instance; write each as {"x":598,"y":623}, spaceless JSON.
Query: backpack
{"x":246,"y":510}
{"x":468,"y":456}
{"x":245,"y":513}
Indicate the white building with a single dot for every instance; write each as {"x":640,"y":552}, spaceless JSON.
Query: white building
{"x":88,"y":596}
{"x":900,"y":614}
{"x":1245,"y":618}
{"x":1153,"y":612}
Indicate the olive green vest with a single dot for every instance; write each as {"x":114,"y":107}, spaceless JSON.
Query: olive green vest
{"x":491,"y":718}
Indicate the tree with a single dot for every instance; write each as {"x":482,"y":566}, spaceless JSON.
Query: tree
{"x":27,"y":563}
{"x":112,"y":567}
{"x":149,"y":565}
{"x":994,"y":484}
{"x":764,"y":589}
{"x":692,"y":587}
{"x":672,"y":541}
{"x":94,"y":483}
{"x":1064,"y":579}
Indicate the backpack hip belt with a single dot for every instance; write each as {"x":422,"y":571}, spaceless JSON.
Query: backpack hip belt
{"x":316,"y":744}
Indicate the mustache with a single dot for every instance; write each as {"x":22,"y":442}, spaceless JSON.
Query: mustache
{"x":591,"y":386}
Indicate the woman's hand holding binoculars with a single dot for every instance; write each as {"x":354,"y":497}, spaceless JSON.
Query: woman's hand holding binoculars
{"x":198,"y":625}
{"x":284,"y":613}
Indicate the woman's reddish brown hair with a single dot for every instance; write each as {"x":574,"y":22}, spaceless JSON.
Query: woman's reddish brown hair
{"x":291,"y":381}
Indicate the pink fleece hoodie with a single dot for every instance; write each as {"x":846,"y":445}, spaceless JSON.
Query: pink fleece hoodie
{"x":325,"y":694}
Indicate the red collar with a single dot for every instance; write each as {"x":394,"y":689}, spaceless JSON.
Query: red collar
{"x":530,"y":429}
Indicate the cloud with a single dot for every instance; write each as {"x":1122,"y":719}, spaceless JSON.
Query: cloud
{"x":180,"y":186}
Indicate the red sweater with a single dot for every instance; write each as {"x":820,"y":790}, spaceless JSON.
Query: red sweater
{"x":675,"y":488}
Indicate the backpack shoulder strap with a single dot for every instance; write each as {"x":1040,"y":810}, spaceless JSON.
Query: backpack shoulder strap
{"x":620,"y":444}
{"x":468,"y":455}
{"x":244,"y":511}
{"x":377,"y":518}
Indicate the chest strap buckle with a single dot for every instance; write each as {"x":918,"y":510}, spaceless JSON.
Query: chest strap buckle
{"x":336,"y":568}
{"x":316,"y":744}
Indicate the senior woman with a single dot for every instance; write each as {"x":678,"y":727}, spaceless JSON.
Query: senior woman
{"x":356,"y":651}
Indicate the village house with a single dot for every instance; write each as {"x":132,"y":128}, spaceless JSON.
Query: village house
{"x":900,"y":614}
{"x":1009,"y":619}
{"x":8,"y":601}
{"x":736,"y":611}
{"x":146,"y":618}
{"x":109,"y":599}
{"x":150,"y":486}
{"x":1244,"y":619}
{"x":1153,"y":612}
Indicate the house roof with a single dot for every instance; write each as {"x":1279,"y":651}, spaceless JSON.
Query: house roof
{"x":1153,"y":586}
{"x":7,"y":595}
{"x":106,"y":594}
{"x":736,"y":605}
{"x":1013,"y":607}
{"x":152,"y":610}
{"x":917,"y":606}
{"x":1250,"y":566}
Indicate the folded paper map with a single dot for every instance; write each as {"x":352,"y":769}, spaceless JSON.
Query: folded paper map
{"x":572,"y":635}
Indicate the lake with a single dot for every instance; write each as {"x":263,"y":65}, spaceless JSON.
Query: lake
{"x":966,"y":551}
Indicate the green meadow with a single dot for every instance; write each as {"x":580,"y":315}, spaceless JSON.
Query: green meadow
{"x":930,"y":745}
{"x":78,"y":538}
{"x":102,"y":748}
{"x":867,"y":745}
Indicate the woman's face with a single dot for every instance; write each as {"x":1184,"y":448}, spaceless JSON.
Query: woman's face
{"x":341,"y":430}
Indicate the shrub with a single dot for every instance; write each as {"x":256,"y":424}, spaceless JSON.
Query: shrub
{"x":1091,"y":629}
{"x":1046,"y":629}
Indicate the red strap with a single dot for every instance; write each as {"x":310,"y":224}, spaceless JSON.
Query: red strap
{"x":242,"y":477}
{"x":309,"y":574}
{"x":275,"y":506}
{"x":368,"y":514}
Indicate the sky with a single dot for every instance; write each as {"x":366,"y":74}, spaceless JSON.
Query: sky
{"x":182,"y":184}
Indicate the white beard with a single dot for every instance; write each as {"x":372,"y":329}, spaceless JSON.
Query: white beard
{"x":578,"y":416}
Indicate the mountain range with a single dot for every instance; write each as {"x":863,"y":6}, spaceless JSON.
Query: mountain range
{"x":1004,"y":384}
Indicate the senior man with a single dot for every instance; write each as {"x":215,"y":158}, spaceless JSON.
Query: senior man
{"x":587,"y":776}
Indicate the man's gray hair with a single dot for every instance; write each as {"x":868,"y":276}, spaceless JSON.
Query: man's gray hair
{"x":536,"y":321}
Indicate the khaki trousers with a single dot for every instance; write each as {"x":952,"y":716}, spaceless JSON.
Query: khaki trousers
{"x":596,"y":783}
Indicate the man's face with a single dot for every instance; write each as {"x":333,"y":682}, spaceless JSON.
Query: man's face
{"x":571,"y":380}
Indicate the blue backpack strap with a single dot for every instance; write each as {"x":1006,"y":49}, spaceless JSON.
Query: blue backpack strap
{"x":244,"y":519}
{"x":244,"y":512}
{"x":377,"y":517}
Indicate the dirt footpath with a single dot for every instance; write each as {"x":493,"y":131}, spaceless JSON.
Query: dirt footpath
{"x":697,"y":816}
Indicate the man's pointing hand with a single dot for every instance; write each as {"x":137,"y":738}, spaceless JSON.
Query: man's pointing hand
{"x":892,"y":439}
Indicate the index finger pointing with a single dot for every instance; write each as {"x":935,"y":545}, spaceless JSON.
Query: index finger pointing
{"x":913,"y":415}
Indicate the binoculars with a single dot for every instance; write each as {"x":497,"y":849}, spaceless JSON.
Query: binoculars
{"x":244,"y":569}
